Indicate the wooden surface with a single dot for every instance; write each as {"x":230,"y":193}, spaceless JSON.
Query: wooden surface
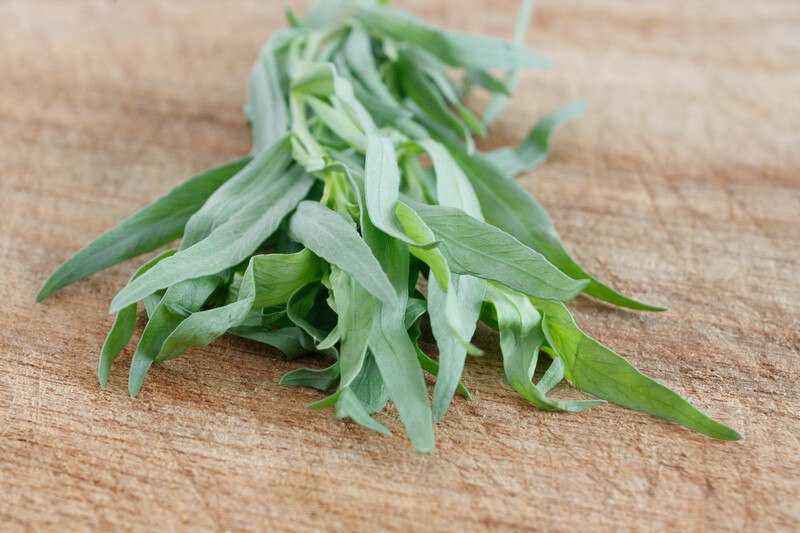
{"x":681,"y":186}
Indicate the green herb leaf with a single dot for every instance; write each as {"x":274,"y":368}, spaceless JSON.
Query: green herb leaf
{"x":157,"y":224}
{"x":512,"y":209}
{"x":455,"y":49}
{"x":455,"y":306}
{"x":392,"y":348}
{"x":121,"y":332}
{"x":229,"y":244}
{"x":326,"y":234}
{"x":230,"y":198}
{"x":348,"y":405}
{"x":499,"y":101}
{"x":269,"y":280}
{"x":419,"y":232}
{"x":266,"y":106}
{"x":321,"y":379}
{"x":454,"y":315}
{"x":592,"y":367}
{"x":179,"y":302}
{"x":521,"y":338}
{"x":400,"y":369}
{"x":355,"y":308}
{"x":478,"y":249}
{"x":287,"y":340}
{"x":535,"y":148}
{"x":488,"y":82}
{"x":369,"y":386}
{"x":382,"y":188}
{"x":432,"y":367}
{"x":453,"y":188}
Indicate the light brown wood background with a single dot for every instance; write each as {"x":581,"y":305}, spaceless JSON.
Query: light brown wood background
{"x":680,"y":186}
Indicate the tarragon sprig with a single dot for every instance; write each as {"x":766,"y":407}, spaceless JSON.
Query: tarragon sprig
{"x":363,"y":207}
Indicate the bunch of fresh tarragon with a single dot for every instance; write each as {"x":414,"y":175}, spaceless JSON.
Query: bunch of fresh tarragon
{"x":365,"y":206}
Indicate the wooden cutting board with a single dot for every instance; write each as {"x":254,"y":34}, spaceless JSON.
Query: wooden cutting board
{"x":681,"y":186}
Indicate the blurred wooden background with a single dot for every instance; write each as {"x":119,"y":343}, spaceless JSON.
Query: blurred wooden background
{"x":680,"y":186}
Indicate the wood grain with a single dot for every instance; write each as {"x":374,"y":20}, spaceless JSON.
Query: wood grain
{"x":681,"y":186}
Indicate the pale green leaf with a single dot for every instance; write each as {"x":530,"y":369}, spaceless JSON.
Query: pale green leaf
{"x":266,"y":106}
{"x":287,"y":340}
{"x":153,"y":226}
{"x":382,"y":188}
{"x":391,"y":345}
{"x":512,"y":209}
{"x":321,"y":379}
{"x":348,"y":405}
{"x":521,"y":338}
{"x":419,"y":232}
{"x":229,"y":244}
{"x":121,"y":331}
{"x":179,"y":302}
{"x":477,"y":249}
{"x":268,"y":281}
{"x":453,"y":324}
{"x":535,"y":148}
{"x":355,"y":309}
{"x":326,"y":234}
{"x":499,"y":101}
{"x":592,"y":367}
{"x":455,"y":49}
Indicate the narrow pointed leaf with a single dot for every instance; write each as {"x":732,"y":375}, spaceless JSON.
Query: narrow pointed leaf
{"x":348,"y":405}
{"x":266,"y":166}
{"x":266,"y":107}
{"x":118,"y":337}
{"x":321,"y":379}
{"x":229,"y":244}
{"x":153,"y":226}
{"x":453,"y":188}
{"x":535,"y":148}
{"x":356,"y":310}
{"x":488,"y":82}
{"x":178,"y":302}
{"x":455,"y":49}
{"x":453,"y":328}
{"x":521,"y":338}
{"x":326,"y":234}
{"x":369,"y":386}
{"x":121,"y":332}
{"x":512,"y":209}
{"x":382,"y":187}
{"x":478,"y":249}
{"x":592,"y":367}
{"x":392,"y":348}
{"x":399,"y":366}
{"x":419,"y":232}
{"x":499,"y":101}
{"x":432,"y":367}
{"x":287,"y":340}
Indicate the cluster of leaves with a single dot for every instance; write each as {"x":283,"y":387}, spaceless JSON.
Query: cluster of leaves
{"x":363,"y":180}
